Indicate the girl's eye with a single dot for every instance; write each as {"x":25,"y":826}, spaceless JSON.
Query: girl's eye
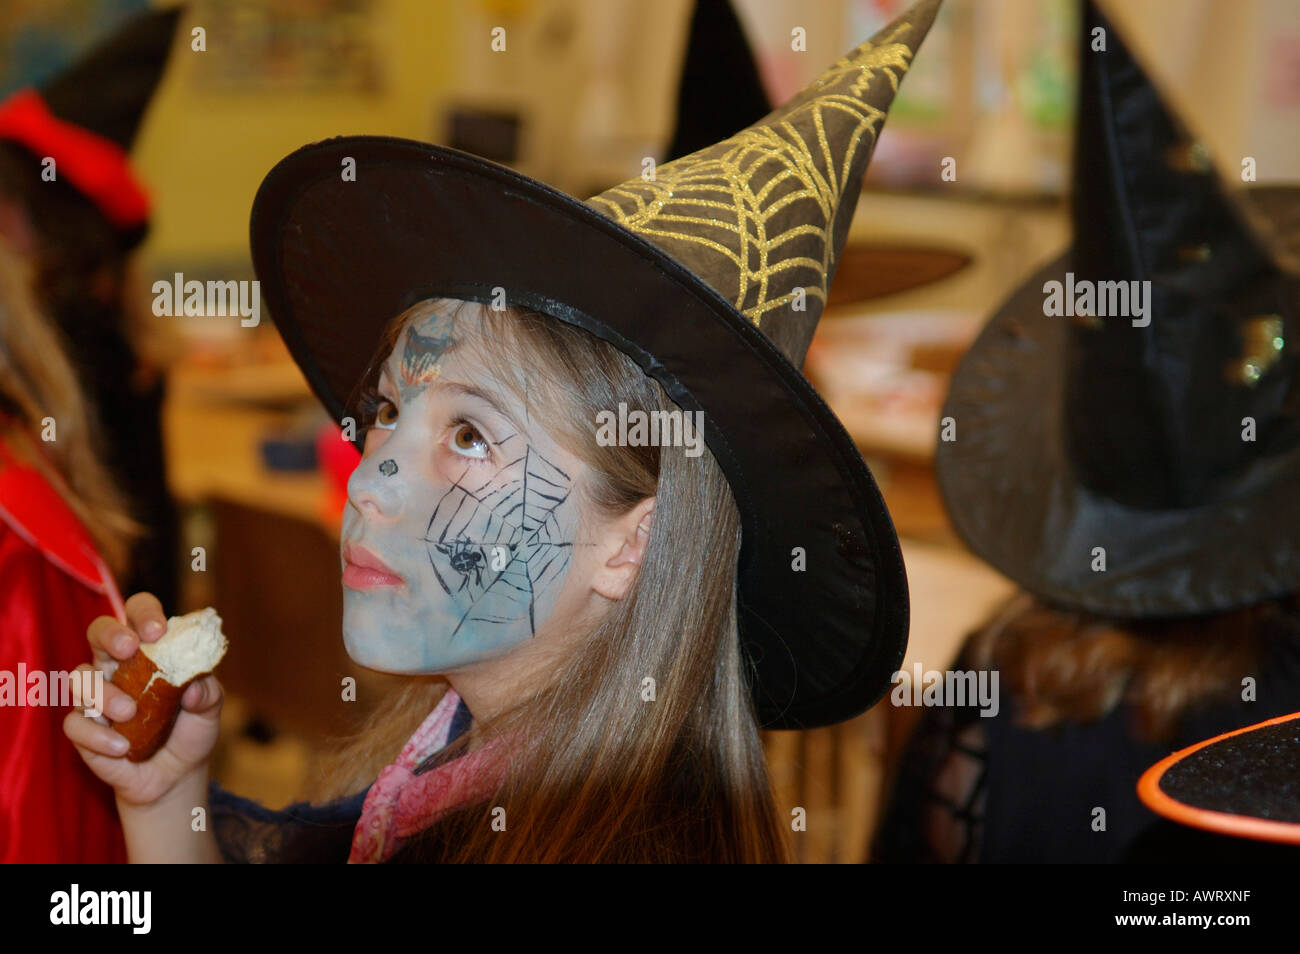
{"x":387,"y":422}
{"x":468,"y":442}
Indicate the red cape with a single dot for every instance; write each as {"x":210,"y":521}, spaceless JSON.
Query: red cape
{"x":52,"y":807}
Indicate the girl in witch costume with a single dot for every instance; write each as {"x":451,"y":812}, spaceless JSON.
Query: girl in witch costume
{"x":63,"y":525}
{"x":594,"y":634}
{"x":72,"y":205}
{"x":1136,"y":475}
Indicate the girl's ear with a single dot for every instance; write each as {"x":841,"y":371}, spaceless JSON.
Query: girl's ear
{"x":623,"y":549}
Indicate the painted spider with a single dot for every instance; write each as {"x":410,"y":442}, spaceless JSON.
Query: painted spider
{"x":465,"y":559}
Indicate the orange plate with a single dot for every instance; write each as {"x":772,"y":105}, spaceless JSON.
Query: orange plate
{"x":1243,"y":826}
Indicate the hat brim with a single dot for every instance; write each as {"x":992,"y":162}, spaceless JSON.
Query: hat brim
{"x":1244,"y":783}
{"x":1014,"y":499}
{"x":337,"y":260}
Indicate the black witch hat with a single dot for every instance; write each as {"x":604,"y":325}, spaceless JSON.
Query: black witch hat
{"x":1140,"y":463}
{"x":711,"y":276}
{"x":86,"y":118}
{"x":720,"y":84}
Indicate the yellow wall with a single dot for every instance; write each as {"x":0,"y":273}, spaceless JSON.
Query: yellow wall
{"x":204,"y":154}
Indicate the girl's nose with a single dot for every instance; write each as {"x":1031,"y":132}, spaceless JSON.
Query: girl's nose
{"x":378,"y":485}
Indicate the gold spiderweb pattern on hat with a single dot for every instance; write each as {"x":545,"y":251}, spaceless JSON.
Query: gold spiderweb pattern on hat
{"x":753,"y":214}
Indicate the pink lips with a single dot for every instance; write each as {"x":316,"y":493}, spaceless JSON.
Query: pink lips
{"x":365,"y":570}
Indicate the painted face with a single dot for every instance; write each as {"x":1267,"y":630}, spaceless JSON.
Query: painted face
{"x":466,"y":501}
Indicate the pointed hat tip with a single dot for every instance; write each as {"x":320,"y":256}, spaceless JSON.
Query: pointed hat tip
{"x":889,"y":50}
{"x":909,"y":27}
{"x":761,"y":217}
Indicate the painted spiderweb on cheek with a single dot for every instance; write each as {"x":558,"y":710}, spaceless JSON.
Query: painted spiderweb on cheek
{"x":497,"y":547}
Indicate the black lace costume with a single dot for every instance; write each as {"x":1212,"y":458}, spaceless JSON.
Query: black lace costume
{"x":984,"y":789}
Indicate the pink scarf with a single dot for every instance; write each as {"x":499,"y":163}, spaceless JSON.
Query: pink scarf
{"x":401,"y":803}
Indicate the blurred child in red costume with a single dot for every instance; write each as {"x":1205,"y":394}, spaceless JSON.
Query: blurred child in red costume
{"x":62,"y":526}
{"x":82,"y":488}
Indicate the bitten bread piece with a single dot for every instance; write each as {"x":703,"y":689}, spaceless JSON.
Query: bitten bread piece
{"x":158,"y":674}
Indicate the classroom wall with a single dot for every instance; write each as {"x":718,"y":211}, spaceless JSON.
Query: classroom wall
{"x":204,"y":153}
{"x":595,"y":80}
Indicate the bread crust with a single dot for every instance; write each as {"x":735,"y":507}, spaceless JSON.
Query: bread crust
{"x":157,"y":702}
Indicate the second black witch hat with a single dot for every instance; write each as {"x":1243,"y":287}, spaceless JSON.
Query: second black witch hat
{"x":1127,"y":425}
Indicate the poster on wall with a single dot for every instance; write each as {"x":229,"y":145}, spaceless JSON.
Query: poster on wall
{"x":310,"y":46}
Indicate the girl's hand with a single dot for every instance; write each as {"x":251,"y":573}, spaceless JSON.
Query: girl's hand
{"x":193,"y":737}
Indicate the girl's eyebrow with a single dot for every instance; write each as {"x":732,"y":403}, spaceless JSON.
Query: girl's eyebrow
{"x":487,"y":397}
{"x":490,"y":398}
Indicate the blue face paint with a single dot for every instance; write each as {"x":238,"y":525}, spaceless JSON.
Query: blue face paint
{"x":475,"y":518}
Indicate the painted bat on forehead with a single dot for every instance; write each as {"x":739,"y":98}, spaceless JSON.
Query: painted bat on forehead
{"x":423,"y":352}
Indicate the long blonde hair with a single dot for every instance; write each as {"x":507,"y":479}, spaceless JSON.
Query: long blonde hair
{"x":37,"y":381}
{"x":604,"y":775}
